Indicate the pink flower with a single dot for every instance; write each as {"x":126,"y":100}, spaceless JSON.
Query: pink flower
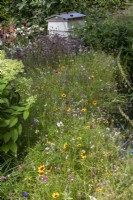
{"x":20,"y":166}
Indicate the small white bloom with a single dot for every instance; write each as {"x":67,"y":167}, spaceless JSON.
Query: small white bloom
{"x":41,"y":29}
{"x":60,"y":124}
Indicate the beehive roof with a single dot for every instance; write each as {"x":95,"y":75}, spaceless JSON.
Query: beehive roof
{"x":66,"y":16}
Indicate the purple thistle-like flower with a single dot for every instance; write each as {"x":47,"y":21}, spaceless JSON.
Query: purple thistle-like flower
{"x":44,"y":179}
{"x":1,"y":35}
{"x":25,"y":194}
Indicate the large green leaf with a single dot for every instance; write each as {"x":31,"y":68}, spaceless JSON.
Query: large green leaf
{"x":4,"y":123}
{"x":18,"y":108}
{"x":13,"y":121}
{"x":7,"y":136}
{"x":25,"y":114}
{"x":2,"y":86}
{"x":19,"y":129}
{"x":5,"y":148}
{"x":14,"y":135}
{"x":13,"y":146}
{"x":4,"y":101}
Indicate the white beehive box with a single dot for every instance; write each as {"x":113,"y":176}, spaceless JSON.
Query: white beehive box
{"x":63,"y":23}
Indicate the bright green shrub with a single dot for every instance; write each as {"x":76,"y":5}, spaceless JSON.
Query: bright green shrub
{"x":12,"y":112}
{"x":9,"y":68}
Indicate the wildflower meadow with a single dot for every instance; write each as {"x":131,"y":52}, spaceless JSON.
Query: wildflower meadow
{"x":65,"y":132}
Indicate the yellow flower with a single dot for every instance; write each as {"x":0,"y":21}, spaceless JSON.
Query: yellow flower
{"x":55,"y":195}
{"x":83,"y":154}
{"x":48,"y":169}
{"x":79,"y":138}
{"x":99,"y":189}
{"x":41,"y":173}
{"x":79,"y":145}
{"x":62,"y":68}
{"x":88,"y":127}
{"x":94,"y":102}
{"x":68,"y":109}
{"x":41,"y":169}
{"x":83,"y":110}
{"x":63,"y":95}
{"x":65,"y":145}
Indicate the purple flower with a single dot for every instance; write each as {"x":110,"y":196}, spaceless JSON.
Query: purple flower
{"x":44,"y":179}
{"x":57,"y":167}
{"x":64,"y":81}
{"x":25,"y":194}
{"x":20,"y":166}
{"x":1,"y":35}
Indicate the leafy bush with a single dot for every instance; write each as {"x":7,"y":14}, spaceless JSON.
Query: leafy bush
{"x":37,"y":11}
{"x":113,"y":36}
{"x":11,"y":110}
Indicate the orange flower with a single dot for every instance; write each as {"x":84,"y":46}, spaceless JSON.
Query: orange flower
{"x":55,"y":71}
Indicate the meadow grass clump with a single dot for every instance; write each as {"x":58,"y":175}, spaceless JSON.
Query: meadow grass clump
{"x":71,"y":144}
{"x":85,"y":87}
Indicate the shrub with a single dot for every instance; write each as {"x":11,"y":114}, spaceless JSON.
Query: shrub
{"x":113,"y":36}
{"x":11,"y":110}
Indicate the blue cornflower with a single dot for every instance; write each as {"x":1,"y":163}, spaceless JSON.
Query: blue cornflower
{"x":25,"y":194}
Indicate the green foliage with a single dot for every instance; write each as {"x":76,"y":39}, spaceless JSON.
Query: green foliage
{"x":37,"y":11}
{"x":4,"y":14}
{"x":11,"y":110}
{"x":113,"y":36}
